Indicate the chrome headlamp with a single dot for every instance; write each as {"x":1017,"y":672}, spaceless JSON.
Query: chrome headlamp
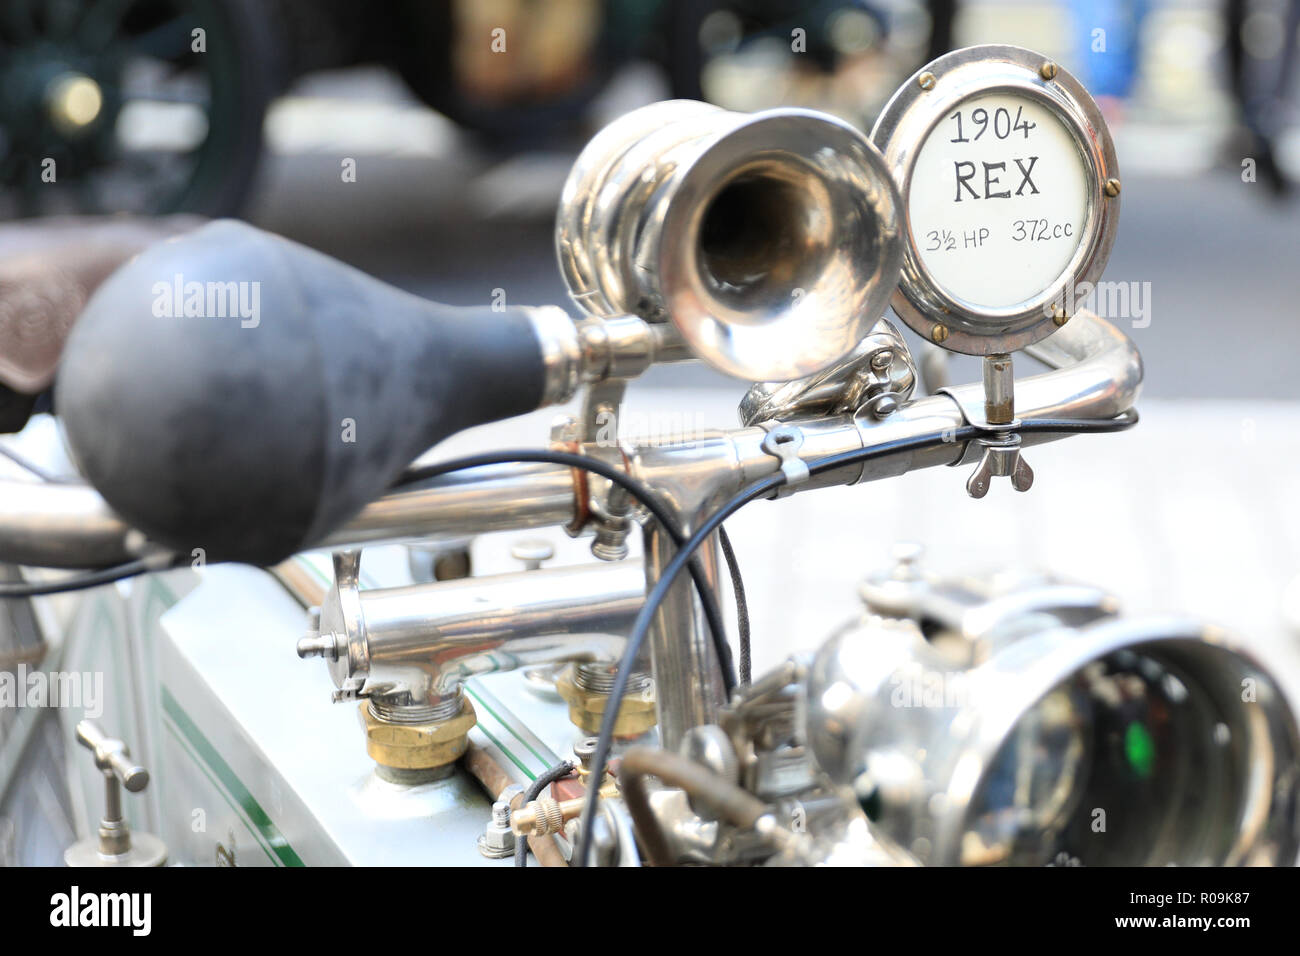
{"x":1021,"y":721}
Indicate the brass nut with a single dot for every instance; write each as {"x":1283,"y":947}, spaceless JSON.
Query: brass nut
{"x":418,"y":746}
{"x":926,"y":81}
{"x":939,"y":333}
{"x":636,"y":715}
{"x":545,"y":815}
{"x":1048,"y":70}
{"x":1112,"y":188}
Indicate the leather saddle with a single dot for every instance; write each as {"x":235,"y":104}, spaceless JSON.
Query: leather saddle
{"x":48,"y":270}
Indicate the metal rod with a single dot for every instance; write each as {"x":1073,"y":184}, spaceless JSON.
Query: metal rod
{"x":688,"y":683}
{"x":477,"y":501}
{"x":999,"y":390}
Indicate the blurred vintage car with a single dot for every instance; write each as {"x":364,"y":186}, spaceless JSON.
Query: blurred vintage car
{"x":156,"y":106}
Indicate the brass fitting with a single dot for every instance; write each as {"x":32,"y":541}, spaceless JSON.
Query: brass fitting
{"x":545,"y":815}
{"x":636,"y":715}
{"x":418,"y":746}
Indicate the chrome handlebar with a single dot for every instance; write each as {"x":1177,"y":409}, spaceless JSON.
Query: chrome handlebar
{"x":1097,"y":374}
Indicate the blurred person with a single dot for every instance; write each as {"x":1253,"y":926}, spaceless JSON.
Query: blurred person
{"x":1108,"y":50}
{"x":1261,"y":76}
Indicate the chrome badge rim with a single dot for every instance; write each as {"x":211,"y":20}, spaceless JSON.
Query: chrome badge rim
{"x":928,"y":99}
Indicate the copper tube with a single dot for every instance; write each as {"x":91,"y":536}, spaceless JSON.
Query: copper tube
{"x":736,"y":806}
{"x":494,"y":780}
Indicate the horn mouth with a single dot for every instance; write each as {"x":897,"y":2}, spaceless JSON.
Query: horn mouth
{"x":765,"y":233}
{"x":772,"y":240}
{"x":781,"y":245}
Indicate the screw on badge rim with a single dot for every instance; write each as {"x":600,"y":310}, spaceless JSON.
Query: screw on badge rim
{"x":904,"y":127}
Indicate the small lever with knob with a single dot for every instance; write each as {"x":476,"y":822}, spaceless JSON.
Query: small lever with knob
{"x":112,"y":756}
{"x":114,"y":844}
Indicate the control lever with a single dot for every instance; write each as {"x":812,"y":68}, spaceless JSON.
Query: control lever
{"x":115,"y":845}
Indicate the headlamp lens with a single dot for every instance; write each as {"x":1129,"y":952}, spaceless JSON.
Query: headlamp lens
{"x":1140,"y":758}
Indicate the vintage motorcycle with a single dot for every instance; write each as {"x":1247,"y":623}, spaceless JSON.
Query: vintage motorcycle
{"x":245,"y":413}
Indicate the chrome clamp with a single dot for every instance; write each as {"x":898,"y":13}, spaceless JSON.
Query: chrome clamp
{"x":783,"y":443}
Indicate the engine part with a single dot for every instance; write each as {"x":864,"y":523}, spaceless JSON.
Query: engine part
{"x":724,"y":799}
{"x":409,"y":650}
{"x":416,"y":645}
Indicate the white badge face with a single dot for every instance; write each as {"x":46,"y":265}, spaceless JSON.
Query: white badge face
{"x":998,"y":200}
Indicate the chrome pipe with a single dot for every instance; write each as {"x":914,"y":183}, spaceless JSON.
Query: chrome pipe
{"x":510,"y":497}
{"x":59,"y":526}
{"x":72,"y":526}
{"x":688,"y":681}
{"x":416,"y":645}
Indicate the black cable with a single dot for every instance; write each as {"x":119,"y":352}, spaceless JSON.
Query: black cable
{"x":90,"y":579}
{"x":558,"y":772}
{"x":637,"y":489}
{"x":759,"y":489}
{"x":1078,"y":426}
{"x":742,"y":608}
{"x":605,"y":740}
{"x":130,"y":569}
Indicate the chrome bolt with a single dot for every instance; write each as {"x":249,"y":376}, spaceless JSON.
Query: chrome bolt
{"x":532,"y":553}
{"x":884,"y":406}
{"x":584,"y":750}
{"x":318,"y":645}
{"x":612,"y":525}
{"x":501,"y":813}
{"x":498,"y":840}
